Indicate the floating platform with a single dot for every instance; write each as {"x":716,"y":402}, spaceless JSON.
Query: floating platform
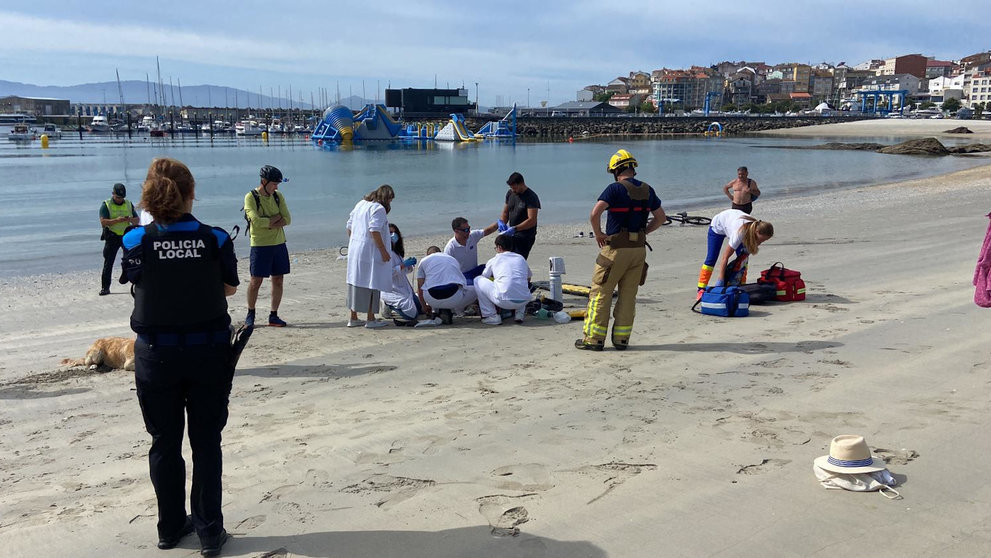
{"x":374,"y":123}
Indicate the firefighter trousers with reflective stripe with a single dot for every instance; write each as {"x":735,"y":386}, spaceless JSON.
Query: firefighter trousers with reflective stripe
{"x":615,"y":268}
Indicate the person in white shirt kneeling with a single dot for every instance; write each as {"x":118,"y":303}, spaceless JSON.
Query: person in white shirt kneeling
{"x":504,"y":283}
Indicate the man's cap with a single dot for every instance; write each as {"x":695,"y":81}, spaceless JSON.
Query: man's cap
{"x":120,"y":190}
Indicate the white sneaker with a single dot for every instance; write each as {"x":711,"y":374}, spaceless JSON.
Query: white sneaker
{"x":387,"y":313}
{"x":492,"y":320}
{"x":519,"y":315}
{"x":428,"y":323}
{"x":355,"y":323}
{"x":375,"y":324}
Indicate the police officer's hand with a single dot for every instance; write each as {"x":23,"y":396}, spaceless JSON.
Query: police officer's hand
{"x":600,"y":238}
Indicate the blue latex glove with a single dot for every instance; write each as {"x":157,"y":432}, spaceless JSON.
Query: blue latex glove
{"x":717,"y":283}
{"x":409,"y":262}
{"x":509,"y":231}
{"x":502,"y":226}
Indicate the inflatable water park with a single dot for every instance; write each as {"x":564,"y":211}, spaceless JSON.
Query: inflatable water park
{"x":374,"y":123}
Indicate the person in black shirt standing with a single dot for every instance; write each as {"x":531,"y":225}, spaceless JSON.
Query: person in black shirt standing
{"x":182,"y":272}
{"x":519,"y":215}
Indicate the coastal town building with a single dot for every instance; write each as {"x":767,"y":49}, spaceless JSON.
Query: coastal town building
{"x":687,"y":88}
{"x":727,"y":69}
{"x":980,"y":87}
{"x":623,"y":101}
{"x":822,"y":85}
{"x":874,"y":66}
{"x":897,"y":82}
{"x":795,"y":78}
{"x":943,"y":88}
{"x":425,"y":103}
{"x":38,"y":106}
{"x":914,"y":64}
{"x":740,"y":87}
{"x":938,"y":68}
{"x":974,"y":67}
{"x":618,"y":85}
{"x":850,"y":80}
{"x":639,"y":84}
{"x":584,"y":109}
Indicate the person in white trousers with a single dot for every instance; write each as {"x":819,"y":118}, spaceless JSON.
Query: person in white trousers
{"x":504,"y":283}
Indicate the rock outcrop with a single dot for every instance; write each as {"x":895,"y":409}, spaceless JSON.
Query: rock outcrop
{"x":970,"y":148}
{"x":922,"y":146}
{"x":851,"y":146}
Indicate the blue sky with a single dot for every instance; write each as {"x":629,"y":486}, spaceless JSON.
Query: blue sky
{"x":551,"y":48}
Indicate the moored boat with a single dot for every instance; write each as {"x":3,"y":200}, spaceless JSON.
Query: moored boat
{"x":21,"y":132}
{"x":248,"y":128}
{"x":99,"y":124}
{"x":52,"y":131}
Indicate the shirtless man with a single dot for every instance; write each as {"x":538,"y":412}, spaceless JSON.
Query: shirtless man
{"x":742,"y":191}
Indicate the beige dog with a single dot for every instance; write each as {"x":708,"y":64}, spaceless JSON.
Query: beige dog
{"x":113,"y":352}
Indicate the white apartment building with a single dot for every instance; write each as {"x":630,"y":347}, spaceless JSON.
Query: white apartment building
{"x":979,"y":88}
{"x":943,"y":88}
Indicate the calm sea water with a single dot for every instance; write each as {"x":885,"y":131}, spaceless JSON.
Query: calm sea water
{"x":52,"y":197}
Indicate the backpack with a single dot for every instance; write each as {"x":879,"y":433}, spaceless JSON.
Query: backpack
{"x":787,"y":282}
{"x":728,"y":302}
{"x":258,"y":206}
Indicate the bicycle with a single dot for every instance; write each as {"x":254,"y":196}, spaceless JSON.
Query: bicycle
{"x":685,"y":219}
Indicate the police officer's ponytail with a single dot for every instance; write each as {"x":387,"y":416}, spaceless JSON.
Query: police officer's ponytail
{"x":167,"y":190}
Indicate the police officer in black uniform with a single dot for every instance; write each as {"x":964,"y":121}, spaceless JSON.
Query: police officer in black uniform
{"x":182,"y":272}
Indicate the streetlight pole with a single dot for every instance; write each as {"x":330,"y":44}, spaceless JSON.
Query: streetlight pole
{"x":527,"y":97}
{"x":476,"y":98}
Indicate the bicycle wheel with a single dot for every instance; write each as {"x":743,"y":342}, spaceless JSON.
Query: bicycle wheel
{"x":695,"y":220}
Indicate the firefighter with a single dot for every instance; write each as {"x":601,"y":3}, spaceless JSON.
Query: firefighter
{"x":634,"y":211}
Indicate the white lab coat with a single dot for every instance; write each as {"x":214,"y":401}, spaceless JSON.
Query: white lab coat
{"x":365,"y":266}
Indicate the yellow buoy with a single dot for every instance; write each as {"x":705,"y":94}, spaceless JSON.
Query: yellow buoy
{"x":264,"y":136}
{"x":44,"y":141}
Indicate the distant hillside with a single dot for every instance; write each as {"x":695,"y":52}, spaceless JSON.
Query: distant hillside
{"x":141,"y":92}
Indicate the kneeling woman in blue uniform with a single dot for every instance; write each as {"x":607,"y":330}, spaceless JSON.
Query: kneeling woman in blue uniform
{"x":745,"y":235}
{"x":182,"y":272}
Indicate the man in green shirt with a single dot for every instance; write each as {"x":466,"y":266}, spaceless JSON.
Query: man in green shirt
{"x":268,"y":215}
{"x":116,"y":214}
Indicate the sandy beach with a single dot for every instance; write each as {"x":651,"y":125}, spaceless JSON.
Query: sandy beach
{"x":438,"y":442}
{"x":894,"y":127}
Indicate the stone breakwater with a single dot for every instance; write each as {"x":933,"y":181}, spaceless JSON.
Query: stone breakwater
{"x":577,"y":128}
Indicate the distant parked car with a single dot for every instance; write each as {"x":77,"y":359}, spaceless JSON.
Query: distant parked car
{"x":937,"y":116}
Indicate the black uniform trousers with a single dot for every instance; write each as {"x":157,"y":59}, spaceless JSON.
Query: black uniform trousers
{"x":174,"y":382}
{"x":522,"y":244}
{"x":111,"y":245}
